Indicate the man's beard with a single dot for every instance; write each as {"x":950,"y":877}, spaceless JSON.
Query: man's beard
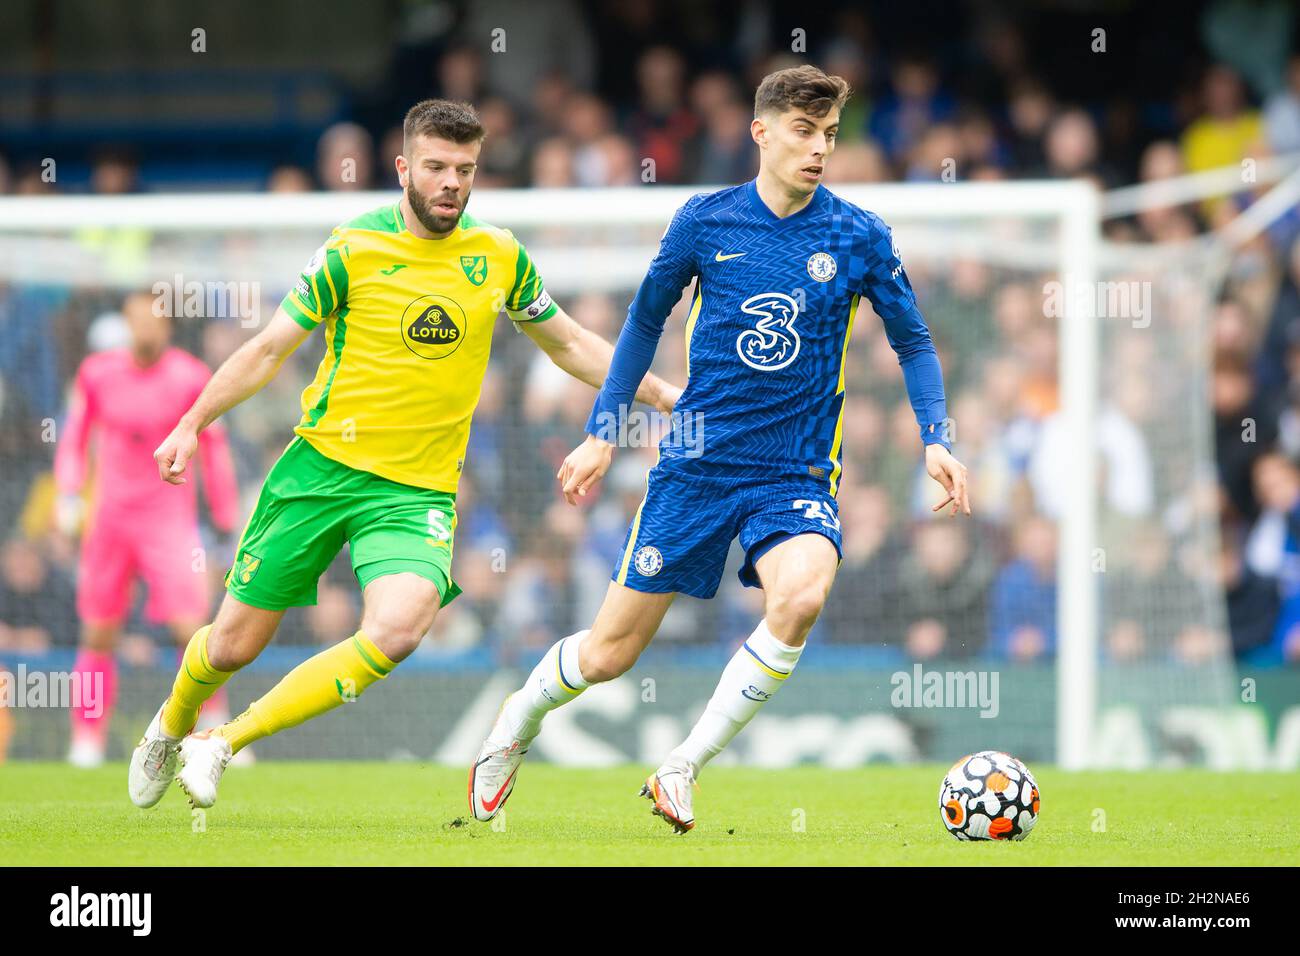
{"x":434,"y":222}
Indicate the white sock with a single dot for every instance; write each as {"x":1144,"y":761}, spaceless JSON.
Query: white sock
{"x":749,"y":680}
{"x":555,"y":681}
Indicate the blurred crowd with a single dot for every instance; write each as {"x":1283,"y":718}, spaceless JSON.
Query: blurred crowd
{"x":533,"y":568}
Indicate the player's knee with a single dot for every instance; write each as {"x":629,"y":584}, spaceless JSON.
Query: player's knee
{"x":229,"y":649}
{"x":604,"y":660}
{"x":796,"y":609}
{"x":397,"y":639}
{"x":396,"y":633}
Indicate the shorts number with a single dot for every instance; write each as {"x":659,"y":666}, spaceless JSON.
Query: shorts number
{"x":816,"y":511}
{"x":438,"y":525}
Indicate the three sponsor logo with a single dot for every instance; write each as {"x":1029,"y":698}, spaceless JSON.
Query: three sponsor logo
{"x":773,"y":343}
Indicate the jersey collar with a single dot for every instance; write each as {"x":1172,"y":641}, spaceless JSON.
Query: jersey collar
{"x":766,"y":214}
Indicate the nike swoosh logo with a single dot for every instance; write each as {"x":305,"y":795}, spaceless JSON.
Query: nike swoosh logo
{"x":721,"y":258}
{"x":394,"y":268}
{"x":491,"y":805}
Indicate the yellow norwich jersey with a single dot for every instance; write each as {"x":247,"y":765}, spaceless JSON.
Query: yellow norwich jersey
{"x":408,"y":328}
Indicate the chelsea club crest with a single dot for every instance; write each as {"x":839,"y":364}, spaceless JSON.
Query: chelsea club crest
{"x":649,"y":561}
{"x":821,"y":266}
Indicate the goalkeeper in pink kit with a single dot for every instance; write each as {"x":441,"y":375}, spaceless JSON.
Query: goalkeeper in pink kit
{"x":124,"y":403}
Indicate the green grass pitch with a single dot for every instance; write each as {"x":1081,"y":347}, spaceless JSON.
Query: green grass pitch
{"x":416,"y":814}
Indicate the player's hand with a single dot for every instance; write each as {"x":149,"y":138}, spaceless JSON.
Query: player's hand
{"x":950,"y":473}
{"x":174,"y":454}
{"x":584,"y":466}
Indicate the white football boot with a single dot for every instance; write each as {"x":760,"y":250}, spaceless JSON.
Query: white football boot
{"x":203,"y":758}
{"x":211,"y":719}
{"x":492,"y":776}
{"x":670,"y":788}
{"x":153,"y":765}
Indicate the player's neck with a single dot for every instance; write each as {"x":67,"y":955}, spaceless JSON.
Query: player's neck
{"x":778,"y":198}
{"x":143,"y":360}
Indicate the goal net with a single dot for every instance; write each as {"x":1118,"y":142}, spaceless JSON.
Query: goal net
{"x":1077,"y":618}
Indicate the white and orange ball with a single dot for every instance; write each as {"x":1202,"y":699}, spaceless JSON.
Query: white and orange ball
{"x":989,"y":796}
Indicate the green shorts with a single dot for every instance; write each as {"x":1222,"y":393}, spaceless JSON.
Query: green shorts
{"x":311,"y":505}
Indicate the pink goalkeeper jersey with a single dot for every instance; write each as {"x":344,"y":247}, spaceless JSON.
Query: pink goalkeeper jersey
{"x":127,"y":411}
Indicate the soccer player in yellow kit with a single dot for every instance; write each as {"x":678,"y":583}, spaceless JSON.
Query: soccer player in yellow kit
{"x":408,"y":295}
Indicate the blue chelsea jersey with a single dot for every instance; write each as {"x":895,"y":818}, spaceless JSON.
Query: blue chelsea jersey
{"x":767,"y":333}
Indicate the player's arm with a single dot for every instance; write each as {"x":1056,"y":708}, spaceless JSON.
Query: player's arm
{"x":586,"y":356}
{"x":579,"y":351}
{"x":891,"y":296}
{"x":662,"y":286}
{"x":243,"y":374}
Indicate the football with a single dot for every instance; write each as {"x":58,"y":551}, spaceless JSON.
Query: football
{"x":989,"y":796}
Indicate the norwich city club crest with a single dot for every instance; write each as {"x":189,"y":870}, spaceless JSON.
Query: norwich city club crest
{"x":475,"y":268}
{"x":433,"y":326}
{"x":246,"y":567}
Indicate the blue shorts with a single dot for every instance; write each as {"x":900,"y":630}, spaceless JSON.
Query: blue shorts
{"x":683,"y":530}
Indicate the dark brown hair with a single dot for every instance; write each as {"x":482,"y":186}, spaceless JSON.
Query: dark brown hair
{"x":445,"y":119}
{"x":803,"y":88}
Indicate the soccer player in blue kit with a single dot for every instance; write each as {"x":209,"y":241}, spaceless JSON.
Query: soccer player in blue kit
{"x":780,"y":266}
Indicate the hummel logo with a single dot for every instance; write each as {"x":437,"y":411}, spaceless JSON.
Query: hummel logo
{"x":721,"y":258}
{"x":394,"y":268}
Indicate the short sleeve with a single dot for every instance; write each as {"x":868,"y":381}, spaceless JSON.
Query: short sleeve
{"x":528,"y":300}
{"x":886,"y":284}
{"x":322,"y":288}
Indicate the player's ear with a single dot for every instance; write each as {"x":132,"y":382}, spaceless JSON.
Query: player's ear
{"x":758,"y":131}
{"x":400,"y":164}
